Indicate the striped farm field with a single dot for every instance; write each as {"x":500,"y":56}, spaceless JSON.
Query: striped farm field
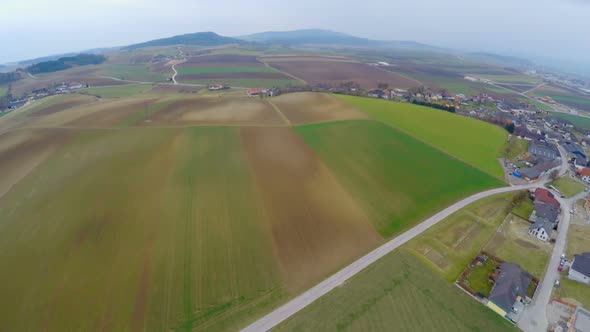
{"x":475,"y":142}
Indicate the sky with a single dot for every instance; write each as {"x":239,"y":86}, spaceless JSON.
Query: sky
{"x":554,"y":30}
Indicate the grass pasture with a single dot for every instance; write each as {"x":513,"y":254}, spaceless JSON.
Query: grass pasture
{"x":118,"y":91}
{"x":307,"y":107}
{"x":578,"y":121}
{"x":390,"y":173}
{"x":397,"y":292}
{"x":567,"y":186}
{"x":563,"y":96}
{"x":478,"y":143}
{"x":3,"y":91}
{"x":449,"y":246}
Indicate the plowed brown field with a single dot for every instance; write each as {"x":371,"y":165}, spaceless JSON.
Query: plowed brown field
{"x":307,"y":107}
{"x":316,"y":225}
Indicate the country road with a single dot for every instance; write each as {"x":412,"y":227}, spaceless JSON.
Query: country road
{"x":298,"y":303}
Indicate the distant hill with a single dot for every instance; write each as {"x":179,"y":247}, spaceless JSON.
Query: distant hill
{"x":44,"y":59}
{"x":199,"y":39}
{"x":66,"y":63}
{"x":327,"y":37}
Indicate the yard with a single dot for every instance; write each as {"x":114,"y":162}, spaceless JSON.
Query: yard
{"x":479,"y":278}
{"x":578,"y":240}
{"x":567,"y":186}
{"x":449,"y":246}
{"x":400,"y":293}
{"x":514,"y":148}
{"x":476,"y":142}
{"x":524,"y":208}
{"x":513,"y":244}
{"x":573,"y":292}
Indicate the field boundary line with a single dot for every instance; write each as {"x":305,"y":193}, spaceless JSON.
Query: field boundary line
{"x":401,"y":75}
{"x":281,"y":114}
{"x":282,"y":72}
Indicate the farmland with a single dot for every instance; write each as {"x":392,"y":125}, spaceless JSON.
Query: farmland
{"x":133,"y":72}
{"x":396,"y":291}
{"x":567,"y":186}
{"x":231,"y":69}
{"x":563,"y":96}
{"x":580,"y":121}
{"x":334,"y":71}
{"x":118,"y":91}
{"x":390,"y":186}
{"x":443,"y":130}
{"x":449,"y":246}
{"x":199,"y":211}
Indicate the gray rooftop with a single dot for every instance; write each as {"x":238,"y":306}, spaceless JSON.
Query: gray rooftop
{"x":543,"y":223}
{"x":582,"y":263}
{"x":582,"y":322}
{"x":510,"y":283}
{"x":546,"y":211}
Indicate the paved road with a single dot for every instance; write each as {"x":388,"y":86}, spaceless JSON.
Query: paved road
{"x":534,"y":317}
{"x":290,"y":308}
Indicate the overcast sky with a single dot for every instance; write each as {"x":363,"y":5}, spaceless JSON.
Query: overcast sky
{"x":533,"y":28}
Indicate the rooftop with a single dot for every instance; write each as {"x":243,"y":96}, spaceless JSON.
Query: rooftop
{"x":582,"y":263}
{"x":511,"y":283}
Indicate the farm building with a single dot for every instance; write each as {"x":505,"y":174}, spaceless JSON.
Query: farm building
{"x":541,"y":149}
{"x":580,"y":268}
{"x":575,"y":151}
{"x":255,"y":92}
{"x":538,"y":170}
{"x":510,"y":289}
{"x":541,"y":229}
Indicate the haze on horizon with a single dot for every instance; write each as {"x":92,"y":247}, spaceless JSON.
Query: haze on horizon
{"x":536,"y":29}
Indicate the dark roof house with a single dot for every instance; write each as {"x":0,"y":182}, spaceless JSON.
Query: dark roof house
{"x":541,"y":149}
{"x":511,"y":285}
{"x":580,"y":268}
{"x":546,"y":211}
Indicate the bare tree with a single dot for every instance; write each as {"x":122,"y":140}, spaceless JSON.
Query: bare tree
{"x":553,"y":175}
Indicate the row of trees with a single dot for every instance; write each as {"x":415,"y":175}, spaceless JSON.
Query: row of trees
{"x":448,"y":108}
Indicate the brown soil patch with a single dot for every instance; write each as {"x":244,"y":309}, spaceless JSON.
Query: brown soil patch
{"x":308,"y":107}
{"x":72,"y":101}
{"x":336,"y":72}
{"x":316,"y":226}
{"x":222,"y":59}
{"x":233,"y":75}
{"x":24,"y":152}
{"x":110,"y":114}
{"x":216,"y":110}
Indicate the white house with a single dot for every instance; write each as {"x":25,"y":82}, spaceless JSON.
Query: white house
{"x":580,"y":268}
{"x":541,"y":229}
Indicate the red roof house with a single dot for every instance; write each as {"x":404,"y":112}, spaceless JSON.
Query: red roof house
{"x":543,"y":195}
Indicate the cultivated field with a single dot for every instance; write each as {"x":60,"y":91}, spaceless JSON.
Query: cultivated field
{"x":580,"y":121}
{"x":452,"y":244}
{"x":235,"y":70}
{"x":118,"y":91}
{"x":307,"y":107}
{"x":473,"y":141}
{"x":563,"y":96}
{"x":390,"y":173}
{"x":334,"y":71}
{"x":398,"y":292}
{"x":213,"y":110}
{"x":141,"y":72}
{"x":567,"y":186}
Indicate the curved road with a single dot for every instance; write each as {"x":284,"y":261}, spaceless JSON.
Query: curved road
{"x":175,"y":73}
{"x":290,"y":308}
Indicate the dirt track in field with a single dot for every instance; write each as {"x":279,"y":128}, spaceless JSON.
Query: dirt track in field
{"x":307,"y":107}
{"x":22,"y":151}
{"x":316,"y":225}
{"x":215,"y":110}
{"x":326,"y":71}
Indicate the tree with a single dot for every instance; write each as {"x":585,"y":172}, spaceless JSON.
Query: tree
{"x":509,"y":127}
{"x":553,"y":175}
{"x":383,"y":86}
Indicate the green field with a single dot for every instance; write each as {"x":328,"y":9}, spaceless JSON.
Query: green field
{"x":398,"y":179}
{"x":237,"y":51}
{"x":567,"y":186}
{"x":139,"y":237}
{"x":118,"y":91}
{"x":450,"y":245}
{"x":470,"y":140}
{"x":229,"y":69}
{"x":3,"y":91}
{"x":133,"y":72}
{"x":397,"y":293}
{"x":578,"y":121}
{"x":537,"y":104}
{"x":573,"y":292}
{"x":513,"y":79}
{"x":524,"y":208}
{"x":245,"y":82}
{"x":563,"y":97}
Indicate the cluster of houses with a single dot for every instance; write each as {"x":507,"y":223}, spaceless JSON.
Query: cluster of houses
{"x":61,"y":88}
{"x":541,"y":158}
{"x":544,"y":218}
{"x":259,"y":92}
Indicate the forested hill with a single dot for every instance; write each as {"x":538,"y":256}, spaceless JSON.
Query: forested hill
{"x":199,"y":38}
{"x":66,"y":63}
